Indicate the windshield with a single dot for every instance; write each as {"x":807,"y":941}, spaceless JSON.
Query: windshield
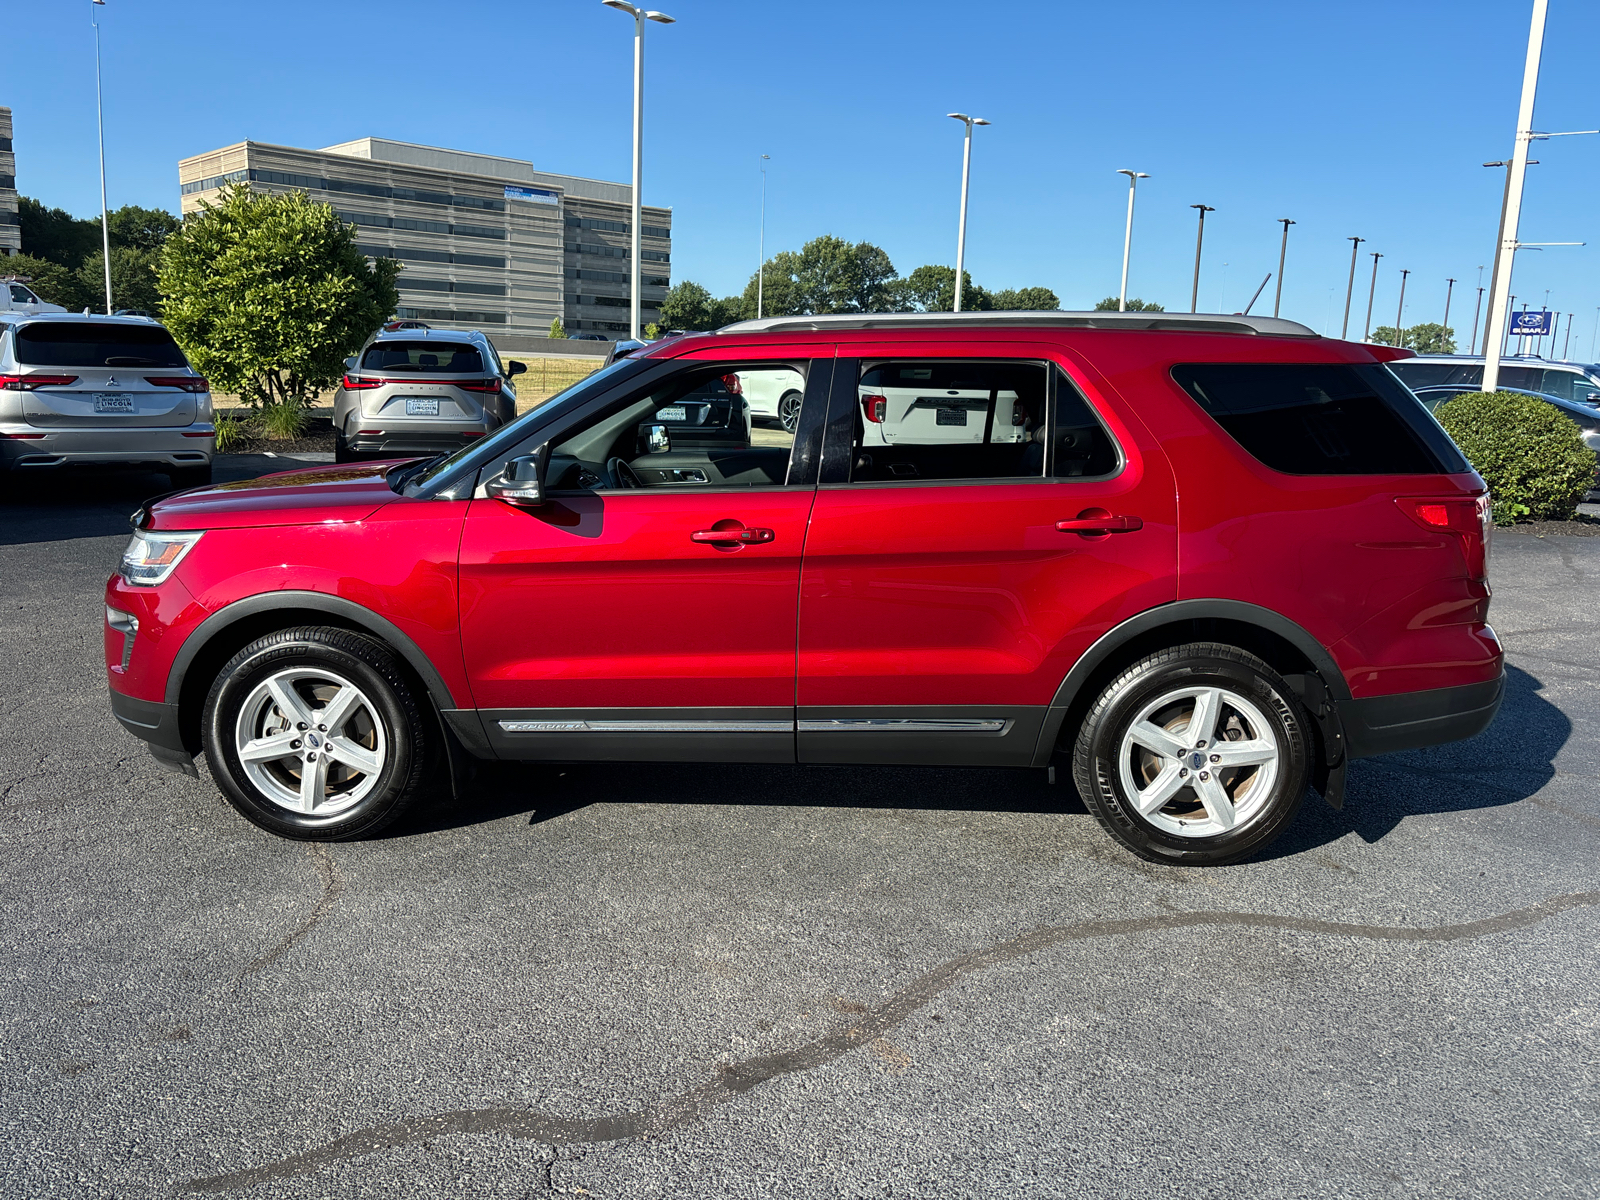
{"x":509,"y":435}
{"x":96,"y":344}
{"x":447,"y":358}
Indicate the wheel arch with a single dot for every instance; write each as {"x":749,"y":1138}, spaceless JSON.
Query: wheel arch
{"x":1279,"y":642}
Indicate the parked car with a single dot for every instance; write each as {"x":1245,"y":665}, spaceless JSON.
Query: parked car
{"x":19,"y":300}
{"x":400,"y":323}
{"x":1231,"y":557}
{"x":1565,"y":380}
{"x":1584,"y":416}
{"x":773,"y":397}
{"x":97,"y":391}
{"x":416,"y":391}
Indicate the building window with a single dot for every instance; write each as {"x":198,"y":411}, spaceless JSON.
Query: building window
{"x":418,"y":284}
{"x":477,"y":231}
{"x":8,"y":181}
{"x":655,"y":231}
{"x":655,"y":256}
{"x":216,"y":181}
{"x":465,"y":316}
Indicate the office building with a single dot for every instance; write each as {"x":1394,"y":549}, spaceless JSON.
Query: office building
{"x":10,"y":230}
{"x":487,"y":243}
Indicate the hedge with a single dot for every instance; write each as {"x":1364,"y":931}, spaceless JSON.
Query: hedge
{"x":1530,"y":453}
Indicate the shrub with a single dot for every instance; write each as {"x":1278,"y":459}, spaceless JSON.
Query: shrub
{"x":231,"y":433}
{"x":1529,"y":453}
{"x":284,"y":421}
{"x":557,"y":329}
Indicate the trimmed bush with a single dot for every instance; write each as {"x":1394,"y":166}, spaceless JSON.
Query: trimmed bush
{"x":1530,"y":453}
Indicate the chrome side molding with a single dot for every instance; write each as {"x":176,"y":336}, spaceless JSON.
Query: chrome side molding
{"x":890,"y":725}
{"x":647,"y":726}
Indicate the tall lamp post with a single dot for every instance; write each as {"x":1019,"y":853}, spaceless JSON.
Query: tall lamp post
{"x":1199,"y":240}
{"x":1450,"y":287}
{"x":1477,"y":312}
{"x":966,"y":175}
{"x":1349,"y":290}
{"x":1283,"y":252}
{"x":1372,"y":293}
{"x":100,"y":122}
{"x":1400,"y":312}
{"x":640,"y":16}
{"x":761,"y":260}
{"x":1127,"y":236}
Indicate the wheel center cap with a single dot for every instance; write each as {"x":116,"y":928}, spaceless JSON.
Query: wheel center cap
{"x":313,"y":741}
{"x":1197,"y":760}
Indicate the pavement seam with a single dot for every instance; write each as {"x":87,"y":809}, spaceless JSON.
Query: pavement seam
{"x":736,"y":1078}
{"x":332,"y":889}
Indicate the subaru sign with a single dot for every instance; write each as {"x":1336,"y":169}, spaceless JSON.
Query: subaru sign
{"x":1531,"y":324}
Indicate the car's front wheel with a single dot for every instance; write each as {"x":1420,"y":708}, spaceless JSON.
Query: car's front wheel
{"x":1198,"y":754}
{"x":314,"y":734}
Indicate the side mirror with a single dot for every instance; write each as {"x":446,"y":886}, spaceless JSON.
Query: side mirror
{"x":521,"y":484}
{"x":350,"y":363}
{"x":658,"y":442}
{"x":515,"y":368}
{"x":1593,"y":397}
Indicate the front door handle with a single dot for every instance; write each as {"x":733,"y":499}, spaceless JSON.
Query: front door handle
{"x":732,"y":533}
{"x":1097,"y":522}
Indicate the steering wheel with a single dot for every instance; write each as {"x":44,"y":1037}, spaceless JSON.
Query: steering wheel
{"x":620,"y":475}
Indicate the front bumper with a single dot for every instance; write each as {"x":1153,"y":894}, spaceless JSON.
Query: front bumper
{"x":156,"y":724}
{"x":27,"y":448}
{"x":1384,"y":724}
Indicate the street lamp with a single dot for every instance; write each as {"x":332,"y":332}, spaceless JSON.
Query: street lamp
{"x":1450,"y":287}
{"x":100,"y":121}
{"x":1283,"y":252}
{"x":1371,"y":293}
{"x":1477,"y":311}
{"x":1355,"y":245}
{"x":761,"y":265}
{"x":1127,"y":236}
{"x":640,"y":16}
{"x":1199,"y":240}
{"x":1400,"y":312}
{"x":966,"y":173}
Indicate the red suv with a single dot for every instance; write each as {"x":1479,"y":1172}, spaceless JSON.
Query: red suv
{"x":1206,"y":561}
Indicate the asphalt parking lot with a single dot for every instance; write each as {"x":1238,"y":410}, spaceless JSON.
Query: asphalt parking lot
{"x":624,"y":981}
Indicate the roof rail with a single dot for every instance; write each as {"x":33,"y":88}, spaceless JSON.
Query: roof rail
{"x":1153,"y":321}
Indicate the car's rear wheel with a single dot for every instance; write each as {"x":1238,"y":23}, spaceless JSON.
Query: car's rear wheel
{"x":1197,"y":754}
{"x":314,"y":734}
{"x":189,"y":477}
{"x":789,"y":410}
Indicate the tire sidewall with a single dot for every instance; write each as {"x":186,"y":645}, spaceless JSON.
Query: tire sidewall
{"x":365,"y":665}
{"x":1104,"y":734}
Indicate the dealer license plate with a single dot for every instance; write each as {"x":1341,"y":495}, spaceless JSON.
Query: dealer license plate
{"x":113,"y":402}
{"x":422,"y":406}
{"x":950,"y":416}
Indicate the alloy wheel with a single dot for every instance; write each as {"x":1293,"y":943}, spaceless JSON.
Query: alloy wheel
{"x":310,"y":741}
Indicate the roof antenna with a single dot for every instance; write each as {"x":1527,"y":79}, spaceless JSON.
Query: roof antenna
{"x":1256,"y":297}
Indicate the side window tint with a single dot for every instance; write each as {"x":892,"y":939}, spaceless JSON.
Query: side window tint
{"x":729,"y":425}
{"x":1083,"y":447}
{"x":935,"y":420}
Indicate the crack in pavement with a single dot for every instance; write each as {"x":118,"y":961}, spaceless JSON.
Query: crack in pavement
{"x":332,"y":889}
{"x":740,"y":1077}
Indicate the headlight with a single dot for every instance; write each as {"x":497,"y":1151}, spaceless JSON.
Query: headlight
{"x":151,"y":557}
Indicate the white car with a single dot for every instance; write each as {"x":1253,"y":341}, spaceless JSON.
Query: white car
{"x":16,"y":299}
{"x":927,"y":404}
{"x":774,"y":394}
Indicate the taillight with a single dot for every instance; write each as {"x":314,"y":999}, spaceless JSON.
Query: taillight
{"x":354,"y":383}
{"x":875,"y":408}
{"x":26,"y":383}
{"x":184,"y":383}
{"x":478,"y":385}
{"x":733,"y":384}
{"x":1469,"y":518}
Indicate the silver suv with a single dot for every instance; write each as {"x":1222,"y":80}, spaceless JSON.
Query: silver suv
{"x":421,"y":391}
{"x":101,"y":391}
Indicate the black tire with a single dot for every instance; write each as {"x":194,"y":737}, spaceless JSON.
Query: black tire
{"x":789,"y":410}
{"x":341,"y":450}
{"x":189,"y":477}
{"x":399,"y":727}
{"x":1103,"y":739}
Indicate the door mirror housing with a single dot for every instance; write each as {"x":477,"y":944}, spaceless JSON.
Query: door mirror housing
{"x":515,"y":368}
{"x":522,"y":482}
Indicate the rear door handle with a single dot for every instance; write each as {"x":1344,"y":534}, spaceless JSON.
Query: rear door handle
{"x":732,"y":533}
{"x":1093,"y":521}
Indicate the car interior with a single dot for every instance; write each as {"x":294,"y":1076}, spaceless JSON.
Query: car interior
{"x":693,"y":430}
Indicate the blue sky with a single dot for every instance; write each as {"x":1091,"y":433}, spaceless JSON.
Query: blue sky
{"x":1351,"y":117}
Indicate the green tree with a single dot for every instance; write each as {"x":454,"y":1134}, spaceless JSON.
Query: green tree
{"x":557,"y":329}
{"x":828,"y":275}
{"x":932,"y":288}
{"x":267,"y":294}
{"x":1109,"y":304}
{"x":133,"y":280}
{"x":1031,"y":299}
{"x":690,"y":306}
{"x":55,"y":234}
{"x":1424,"y":339}
{"x":50,"y":281}
{"x":140,"y":228}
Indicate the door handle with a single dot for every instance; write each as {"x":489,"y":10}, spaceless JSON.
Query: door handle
{"x":1097,"y":522}
{"x":732,"y":533}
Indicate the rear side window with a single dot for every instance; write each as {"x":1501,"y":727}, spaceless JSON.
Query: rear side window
{"x":90,"y":344}
{"x":1322,"y":419}
{"x":445,"y":358}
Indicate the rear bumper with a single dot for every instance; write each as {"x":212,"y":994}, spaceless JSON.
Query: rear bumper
{"x":1384,"y":724}
{"x":404,"y":440}
{"x":24,"y":448}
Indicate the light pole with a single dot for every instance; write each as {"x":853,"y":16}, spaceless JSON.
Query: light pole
{"x":1349,"y":290}
{"x":1450,"y":287}
{"x":1283,"y":251}
{"x":640,"y":16}
{"x":100,"y":122}
{"x":1476,"y":312}
{"x":1127,"y":236}
{"x":1371,"y":294}
{"x":761,"y":261}
{"x":1399,"y":313}
{"x":1199,"y":240}
{"x":966,"y":175}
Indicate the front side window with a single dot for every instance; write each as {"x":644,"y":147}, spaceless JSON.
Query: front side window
{"x":714,"y":425}
{"x":424,"y":358}
{"x":1322,"y":419}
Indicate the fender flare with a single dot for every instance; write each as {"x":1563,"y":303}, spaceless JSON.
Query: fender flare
{"x":1327,"y":671}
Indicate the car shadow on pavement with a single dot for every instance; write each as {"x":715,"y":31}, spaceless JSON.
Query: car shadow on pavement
{"x":1506,"y":763}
